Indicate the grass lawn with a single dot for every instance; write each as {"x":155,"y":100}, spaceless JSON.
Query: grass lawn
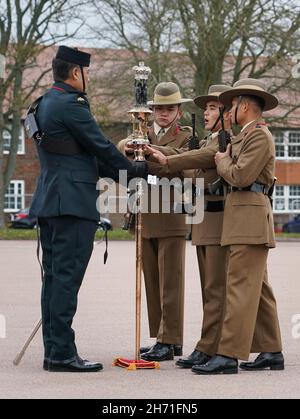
{"x":288,"y":235}
{"x":24,"y":234}
{"x":118,"y":234}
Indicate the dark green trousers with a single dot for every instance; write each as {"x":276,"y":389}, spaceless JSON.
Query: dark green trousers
{"x":67,"y":244}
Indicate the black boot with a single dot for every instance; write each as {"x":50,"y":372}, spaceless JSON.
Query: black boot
{"x":266,"y":360}
{"x":77,"y":365}
{"x":217,"y":365}
{"x":159,"y":352}
{"x":196,"y":358}
{"x":177,"y":349}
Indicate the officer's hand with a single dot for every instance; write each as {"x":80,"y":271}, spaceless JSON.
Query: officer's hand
{"x":129,"y":148}
{"x":158,"y":155}
{"x":220,"y":156}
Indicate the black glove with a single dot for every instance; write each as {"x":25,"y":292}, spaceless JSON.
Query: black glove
{"x":138,"y":169}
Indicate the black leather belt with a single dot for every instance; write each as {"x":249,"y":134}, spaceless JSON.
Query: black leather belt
{"x":65,"y":147}
{"x":255,"y":187}
{"x":214,"y":206}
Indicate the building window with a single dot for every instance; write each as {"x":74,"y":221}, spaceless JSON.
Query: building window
{"x":294,"y":145}
{"x":7,"y":140}
{"x":279,"y":144}
{"x":287,"y":199}
{"x":15,"y":196}
{"x":294,"y":198}
{"x":287,"y":144}
{"x":279,"y":199}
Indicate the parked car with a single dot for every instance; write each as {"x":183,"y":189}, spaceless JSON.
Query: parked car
{"x":292,"y":226}
{"x":21,"y":219}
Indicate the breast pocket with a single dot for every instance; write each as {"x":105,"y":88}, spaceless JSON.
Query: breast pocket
{"x":249,"y":214}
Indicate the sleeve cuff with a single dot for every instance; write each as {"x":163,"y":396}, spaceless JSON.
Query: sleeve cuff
{"x":224,"y":165}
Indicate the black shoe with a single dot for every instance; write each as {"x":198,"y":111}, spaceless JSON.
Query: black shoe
{"x":47,"y":361}
{"x":159,"y":352}
{"x":177,"y":349}
{"x":196,"y":358}
{"x":266,"y":360}
{"x":78,"y":365}
{"x":217,"y":365}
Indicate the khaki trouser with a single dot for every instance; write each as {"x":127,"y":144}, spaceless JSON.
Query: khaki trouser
{"x":212,"y":262}
{"x":163,"y":266}
{"x":250,"y":321}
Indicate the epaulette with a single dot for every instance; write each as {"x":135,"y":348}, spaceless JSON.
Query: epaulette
{"x":82,"y":99}
{"x":260,"y":125}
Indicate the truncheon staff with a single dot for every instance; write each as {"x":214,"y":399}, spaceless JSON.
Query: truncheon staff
{"x":164,"y":235}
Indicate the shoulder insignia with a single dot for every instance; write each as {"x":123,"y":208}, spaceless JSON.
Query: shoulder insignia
{"x":80,"y":99}
{"x":260,"y":125}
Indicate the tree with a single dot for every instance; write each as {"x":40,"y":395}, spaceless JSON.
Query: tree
{"x":26,"y":29}
{"x":203,"y":42}
{"x":143,"y":27}
{"x":231,"y":39}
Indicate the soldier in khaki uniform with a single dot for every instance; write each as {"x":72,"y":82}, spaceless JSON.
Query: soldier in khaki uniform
{"x":206,"y":236}
{"x":250,"y":322}
{"x":164,"y":236}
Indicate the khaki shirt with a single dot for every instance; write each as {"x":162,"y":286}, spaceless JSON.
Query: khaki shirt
{"x":165,"y":225}
{"x":201,"y":164}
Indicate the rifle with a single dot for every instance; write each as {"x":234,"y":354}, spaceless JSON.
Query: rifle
{"x":193,"y":140}
{"x":224,"y":138}
{"x":129,"y":217}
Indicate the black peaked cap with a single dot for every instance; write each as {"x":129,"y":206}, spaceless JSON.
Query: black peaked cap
{"x":73,"y":56}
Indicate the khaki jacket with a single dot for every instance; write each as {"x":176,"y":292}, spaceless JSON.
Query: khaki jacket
{"x":165,"y":225}
{"x":202,"y":162}
{"x":248,"y":216}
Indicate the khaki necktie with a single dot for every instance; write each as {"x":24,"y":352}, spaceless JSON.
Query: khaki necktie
{"x":160,"y":134}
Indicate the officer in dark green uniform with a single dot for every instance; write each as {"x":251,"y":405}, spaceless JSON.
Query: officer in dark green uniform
{"x":73,"y":153}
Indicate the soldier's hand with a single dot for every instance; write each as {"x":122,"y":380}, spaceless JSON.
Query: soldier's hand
{"x":158,"y":155}
{"x":220,"y":156}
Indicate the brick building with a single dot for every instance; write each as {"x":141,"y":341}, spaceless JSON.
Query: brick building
{"x":287,"y":191}
{"x":22,"y":185}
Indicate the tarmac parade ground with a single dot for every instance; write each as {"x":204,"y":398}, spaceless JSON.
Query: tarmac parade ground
{"x":105,"y":325}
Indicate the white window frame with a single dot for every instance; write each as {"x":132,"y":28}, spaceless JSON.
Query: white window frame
{"x":15,"y":182}
{"x":21,"y":144}
{"x":286,"y":144}
{"x":286,"y":197}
